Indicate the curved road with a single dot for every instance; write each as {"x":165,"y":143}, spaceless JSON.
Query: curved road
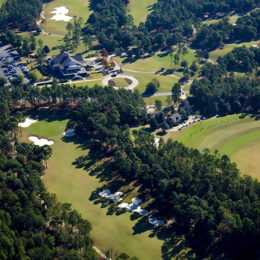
{"x":134,"y":83}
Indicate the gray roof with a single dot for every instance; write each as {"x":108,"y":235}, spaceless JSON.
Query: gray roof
{"x":65,"y":60}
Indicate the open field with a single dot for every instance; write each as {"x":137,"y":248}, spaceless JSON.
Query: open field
{"x":151,"y":100}
{"x":90,"y":84}
{"x":166,"y":82}
{"x":229,"y":47}
{"x":75,"y":186}
{"x":77,"y":8}
{"x":1,"y":2}
{"x":120,"y":82}
{"x":140,"y":9}
{"x":156,"y":62}
{"x":229,"y":135}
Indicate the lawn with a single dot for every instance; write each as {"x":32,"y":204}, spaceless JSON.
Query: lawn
{"x":229,"y":135}
{"x":151,"y":100}
{"x":90,"y":84}
{"x":156,"y":62}
{"x":166,"y":82}
{"x":119,"y":82}
{"x":1,"y":2}
{"x":139,"y":9}
{"x":79,"y":8}
{"x":75,"y":186}
{"x":229,"y":47}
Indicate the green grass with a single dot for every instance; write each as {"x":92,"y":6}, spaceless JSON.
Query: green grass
{"x":166,"y":82}
{"x":1,"y":2}
{"x":90,"y":84}
{"x":75,"y":186}
{"x":227,"y":48}
{"x":79,"y":8}
{"x":120,"y":82}
{"x":229,"y":135}
{"x":151,"y":100}
{"x":139,"y":9}
{"x":156,"y":62}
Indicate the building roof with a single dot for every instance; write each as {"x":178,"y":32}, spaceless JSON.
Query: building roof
{"x":65,"y":60}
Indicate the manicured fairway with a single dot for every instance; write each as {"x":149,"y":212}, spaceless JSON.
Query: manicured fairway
{"x":229,"y":135}
{"x":79,"y":8}
{"x":139,"y":9}
{"x":90,"y":84}
{"x":76,"y":185}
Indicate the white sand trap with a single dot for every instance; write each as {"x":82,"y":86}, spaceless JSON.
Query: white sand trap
{"x":134,"y":206}
{"x":60,"y":14}
{"x":70,"y":132}
{"x":40,"y":142}
{"x":28,"y":121}
{"x":112,"y":196}
{"x":157,"y":140}
{"x":156,"y":222}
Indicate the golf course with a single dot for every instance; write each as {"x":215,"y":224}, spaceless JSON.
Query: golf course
{"x":72,"y":185}
{"x":234,"y":135}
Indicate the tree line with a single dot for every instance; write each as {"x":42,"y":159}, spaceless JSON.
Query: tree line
{"x":33,"y":224}
{"x":219,"y":91}
{"x":246,"y":28}
{"x":20,"y":14}
{"x":201,"y":194}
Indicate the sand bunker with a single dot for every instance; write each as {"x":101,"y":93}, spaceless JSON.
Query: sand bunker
{"x":60,"y":14}
{"x":40,"y":142}
{"x":112,"y":196}
{"x":157,"y":142}
{"x":134,"y":206}
{"x":28,"y":121}
{"x":156,"y":222}
{"x":70,"y":132}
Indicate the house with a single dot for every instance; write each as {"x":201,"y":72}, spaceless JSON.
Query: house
{"x":68,"y":65}
{"x":173,"y":119}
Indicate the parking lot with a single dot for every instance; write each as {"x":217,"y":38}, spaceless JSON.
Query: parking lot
{"x":10,"y":64}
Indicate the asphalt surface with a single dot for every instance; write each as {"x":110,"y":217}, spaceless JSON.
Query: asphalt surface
{"x":9,"y":65}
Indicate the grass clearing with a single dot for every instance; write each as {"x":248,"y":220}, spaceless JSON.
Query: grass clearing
{"x":75,"y":186}
{"x":90,"y":84}
{"x":151,"y":100}
{"x":1,"y":2}
{"x":229,"y":47}
{"x":119,"y":82}
{"x":140,"y":9}
{"x":229,"y":135}
{"x":166,"y":82}
{"x":77,"y":8}
{"x":156,"y":62}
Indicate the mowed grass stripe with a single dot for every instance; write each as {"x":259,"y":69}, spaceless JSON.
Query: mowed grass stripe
{"x":230,"y":135}
{"x":247,"y":158}
{"x":239,"y":142}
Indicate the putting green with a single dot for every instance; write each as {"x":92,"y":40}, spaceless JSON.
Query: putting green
{"x":76,"y":185}
{"x":77,"y":8}
{"x":229,"y":135}
{"x":139,"y":9}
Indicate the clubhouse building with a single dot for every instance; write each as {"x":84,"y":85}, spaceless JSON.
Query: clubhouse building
{"x":69,"y":66}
